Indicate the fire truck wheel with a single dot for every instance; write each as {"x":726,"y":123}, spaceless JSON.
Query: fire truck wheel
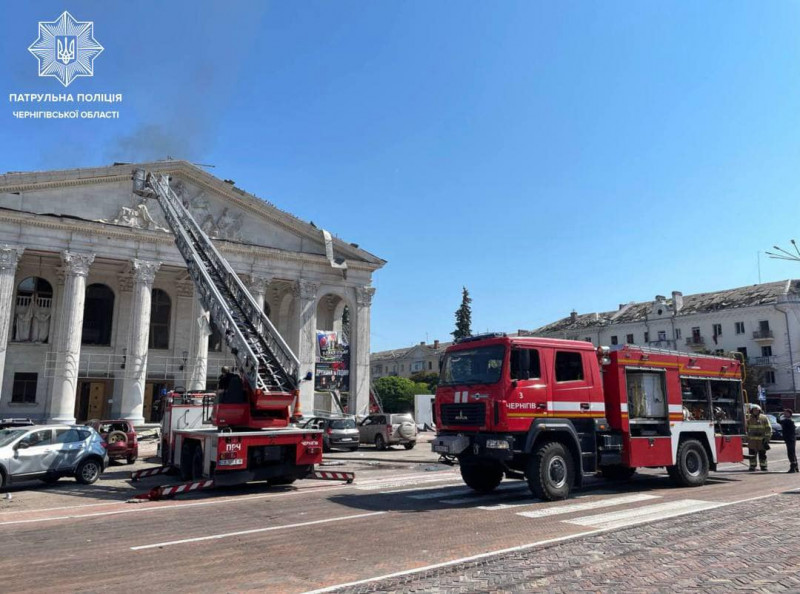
{"x":380,"y":443}
{"x":617,"y":473}
{"x":481,"y":475}
{"x":691,"y":469}
{"x":550,"y":472}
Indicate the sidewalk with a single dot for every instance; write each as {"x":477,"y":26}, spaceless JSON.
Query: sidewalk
{"x":751,"y":546}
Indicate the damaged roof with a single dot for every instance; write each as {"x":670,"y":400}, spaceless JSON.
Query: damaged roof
{"x":761,"y":294}
{"x":396,"y":354}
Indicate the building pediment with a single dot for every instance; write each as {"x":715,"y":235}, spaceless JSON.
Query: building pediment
{"x":103,"y":195}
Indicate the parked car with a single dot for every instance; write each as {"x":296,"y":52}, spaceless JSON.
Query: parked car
{"x":389,"y":429}
{"x":777,"y":431}
{"x":336,"y":432}
{"x":5,"y":423}
{"x":120,"y":435}
{"x":796,"y":419}
{"x":49,"y":452}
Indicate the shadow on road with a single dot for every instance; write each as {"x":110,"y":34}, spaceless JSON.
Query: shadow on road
{"x":510,"y":492}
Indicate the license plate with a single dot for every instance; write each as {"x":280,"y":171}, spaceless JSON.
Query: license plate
{"x":347,"y":439}
{"x":233,"y":462}
{"x":441,"y":448}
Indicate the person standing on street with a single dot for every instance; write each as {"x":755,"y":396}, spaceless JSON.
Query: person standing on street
{"x":759,"y":431}
{"x":790,"y":437}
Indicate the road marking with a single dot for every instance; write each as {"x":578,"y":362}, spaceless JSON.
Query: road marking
{"x":144,"y":508}
{"x":388,"y":484}
{"x":500,"y":493}
{"x":579,"y":507}
{"x":442,"y":493}
{"x":639,"y":515}
{"x":253,"y":531}
{"x":452,"y":482}
{"x":525,"y":547}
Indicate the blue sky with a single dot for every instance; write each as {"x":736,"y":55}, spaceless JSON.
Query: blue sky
{"x":549,"y":156}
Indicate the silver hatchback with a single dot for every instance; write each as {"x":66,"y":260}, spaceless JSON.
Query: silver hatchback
{"x":49,"y":452}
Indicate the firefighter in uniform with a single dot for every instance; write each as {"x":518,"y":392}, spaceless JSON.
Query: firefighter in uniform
{"x":759,"y":431}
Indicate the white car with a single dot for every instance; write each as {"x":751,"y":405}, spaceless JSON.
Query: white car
{"x":49,"y":452}
{"x":386,"y":429}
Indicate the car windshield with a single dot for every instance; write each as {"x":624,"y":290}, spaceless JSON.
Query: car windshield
{"x":397,"y":419}
{"x":343,"y":424}
{"x":9,"y":435}
{"x":482,"y":365}
{"x":772,"y":419}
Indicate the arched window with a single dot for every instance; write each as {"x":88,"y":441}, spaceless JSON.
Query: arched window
{"x":98,"y":312}
{"x":32,"y":310}
{"x":160,"y":313}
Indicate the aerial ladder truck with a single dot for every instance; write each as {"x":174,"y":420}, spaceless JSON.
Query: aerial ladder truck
{"x":244,"y":432}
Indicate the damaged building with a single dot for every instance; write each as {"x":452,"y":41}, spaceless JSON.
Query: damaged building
{"x":761,"y":321}
{"x":89,"y":274}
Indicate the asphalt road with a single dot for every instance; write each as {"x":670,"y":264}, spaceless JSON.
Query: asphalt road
{"x":403,"y":514}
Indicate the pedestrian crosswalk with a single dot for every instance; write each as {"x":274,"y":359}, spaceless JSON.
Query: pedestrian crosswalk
{"x":515,"y":497}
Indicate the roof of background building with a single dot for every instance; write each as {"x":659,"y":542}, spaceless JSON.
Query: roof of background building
{"x":765,"y":293}
{"x":394,"y":354}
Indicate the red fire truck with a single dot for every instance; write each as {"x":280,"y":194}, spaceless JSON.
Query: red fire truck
{"x":244,"y":431}
{"x":554,"y":411}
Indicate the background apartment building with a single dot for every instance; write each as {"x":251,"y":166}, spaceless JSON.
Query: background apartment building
{"x":406,"y":361}
{"x":760,"y":321}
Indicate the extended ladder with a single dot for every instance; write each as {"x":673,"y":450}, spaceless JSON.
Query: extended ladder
{"x":261,"y":353}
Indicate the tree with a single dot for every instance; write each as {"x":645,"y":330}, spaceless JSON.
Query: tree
{"x":397,"y":393}
{"x":463,"y":317}
{"x":429,"y":378}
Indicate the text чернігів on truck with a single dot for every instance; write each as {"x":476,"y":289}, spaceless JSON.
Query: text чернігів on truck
{"x":243,"y":432}
{"x":554,"y":411}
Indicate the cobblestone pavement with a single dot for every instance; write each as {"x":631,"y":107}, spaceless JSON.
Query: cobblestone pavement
{"x":752,"y":546}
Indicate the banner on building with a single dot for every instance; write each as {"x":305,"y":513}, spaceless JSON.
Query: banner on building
{"x":333,"y":362}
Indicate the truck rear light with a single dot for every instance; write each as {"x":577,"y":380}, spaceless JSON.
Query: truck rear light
{"x":328,"y":431}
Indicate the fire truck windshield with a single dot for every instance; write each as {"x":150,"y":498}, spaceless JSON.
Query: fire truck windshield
{"x":481,"y":365}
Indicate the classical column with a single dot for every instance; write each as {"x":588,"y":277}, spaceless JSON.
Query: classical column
{"x":9,"y":257}
{"x":68,"y":345}
{"x":306,"y":295}
{"x":201,"y":330}
{"x":359,"y":351}
{"x":138,"y":334}
{"x":257,"y":285}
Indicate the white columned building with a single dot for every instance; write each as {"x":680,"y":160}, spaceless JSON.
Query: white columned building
{"x":98,"y":317}
{"x":9,"y":257}
{"x":68,"y":351}
{"x":133,"y":384}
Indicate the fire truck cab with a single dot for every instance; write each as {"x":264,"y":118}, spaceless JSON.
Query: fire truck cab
{"x":553,"y":411}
